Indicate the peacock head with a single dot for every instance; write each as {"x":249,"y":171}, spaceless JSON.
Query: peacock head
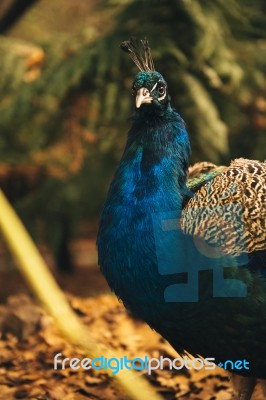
{"x":149,"y":87}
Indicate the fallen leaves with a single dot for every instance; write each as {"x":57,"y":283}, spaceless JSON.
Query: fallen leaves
{"x":27,"y":356}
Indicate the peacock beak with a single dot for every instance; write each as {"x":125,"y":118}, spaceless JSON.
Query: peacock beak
{"x":143,"y":96}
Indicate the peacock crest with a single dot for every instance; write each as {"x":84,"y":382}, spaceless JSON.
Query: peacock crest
{"x":140,"y":53}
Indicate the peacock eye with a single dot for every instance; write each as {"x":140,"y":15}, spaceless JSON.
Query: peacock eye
{"x":161,"y":90}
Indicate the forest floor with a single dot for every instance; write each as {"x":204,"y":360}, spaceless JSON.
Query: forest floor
{"x":29,"y":341}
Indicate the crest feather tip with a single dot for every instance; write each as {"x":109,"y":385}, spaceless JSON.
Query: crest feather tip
{"x":140,"y":53}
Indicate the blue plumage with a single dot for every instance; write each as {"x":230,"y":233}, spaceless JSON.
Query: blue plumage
{"x":151,"y":183}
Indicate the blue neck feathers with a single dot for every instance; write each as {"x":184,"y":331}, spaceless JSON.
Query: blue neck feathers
{"x":150,"y":180}
{"x":154,"y":162}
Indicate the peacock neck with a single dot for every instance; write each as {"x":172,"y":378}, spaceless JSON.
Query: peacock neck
{"x":153,"y":170}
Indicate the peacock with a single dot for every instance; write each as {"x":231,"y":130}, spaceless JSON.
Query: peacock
{"x":187,"y":255}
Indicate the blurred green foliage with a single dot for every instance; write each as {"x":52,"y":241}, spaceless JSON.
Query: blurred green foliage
{"x":65,"y":94}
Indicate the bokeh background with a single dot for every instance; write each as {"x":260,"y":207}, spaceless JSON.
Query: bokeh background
{"x":65,"y":102}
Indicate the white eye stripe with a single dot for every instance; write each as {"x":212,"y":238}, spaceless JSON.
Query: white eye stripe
{"x":154,"y":87}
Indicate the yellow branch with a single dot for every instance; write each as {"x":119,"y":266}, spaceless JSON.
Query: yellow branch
{"x":43,"y":285}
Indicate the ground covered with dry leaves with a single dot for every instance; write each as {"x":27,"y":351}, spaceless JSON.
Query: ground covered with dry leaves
{"x":29,"y":342}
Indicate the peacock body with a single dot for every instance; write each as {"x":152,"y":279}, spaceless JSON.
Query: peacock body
{"x":158,"y":229}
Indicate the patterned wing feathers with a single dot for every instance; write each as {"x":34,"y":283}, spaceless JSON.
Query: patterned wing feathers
{"x":230,"y":210}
